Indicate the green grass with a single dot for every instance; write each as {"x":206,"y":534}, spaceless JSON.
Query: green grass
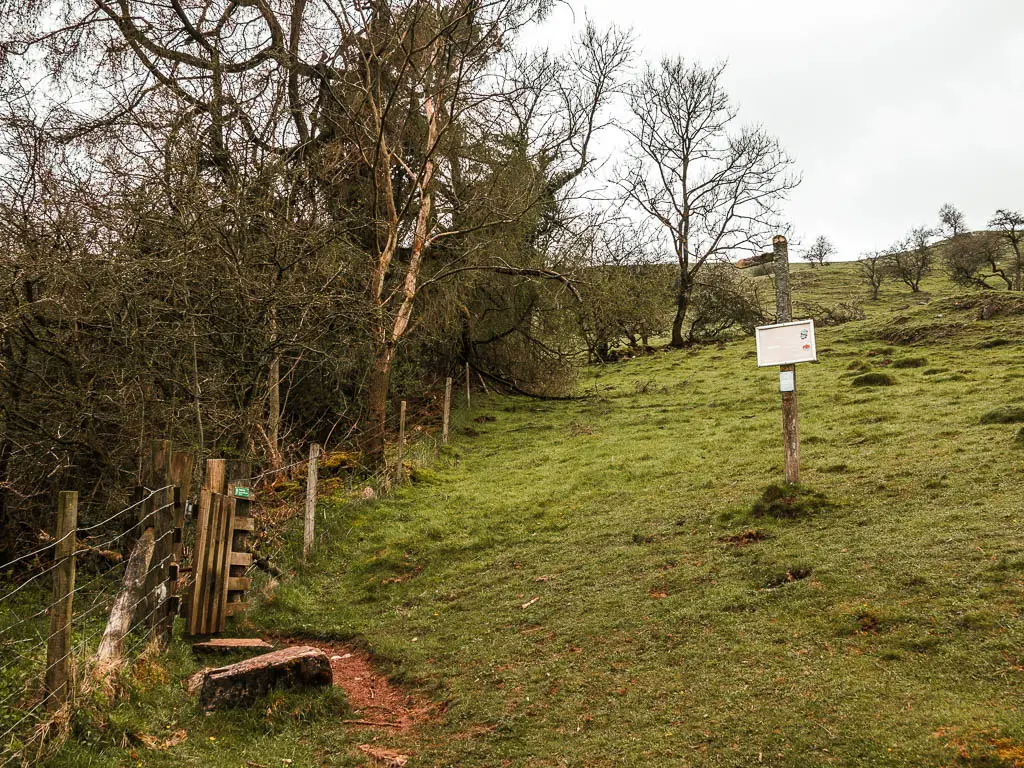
{"x":884,"y":629}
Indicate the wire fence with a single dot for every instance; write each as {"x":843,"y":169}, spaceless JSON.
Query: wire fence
{"x":59,"y":611}
{"x":29,"y":631}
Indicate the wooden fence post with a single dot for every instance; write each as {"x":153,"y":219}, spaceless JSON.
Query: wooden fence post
{"x":157,"y":477}
{"x":311,"y":478}
{"x":468,"y":404}
{"x":58,"y":646}
{"x":182,"y":464}
{"x":784,"y":314}
{"x":400,"y":470}
{"x":446,"y":418}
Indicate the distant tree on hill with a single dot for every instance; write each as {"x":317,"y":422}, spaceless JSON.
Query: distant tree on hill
{"x":874,"y":269}
{"x":911,"y":259}
{"x":820,"y":252}
{"x":712,"y":187}
{"x":1009,"y":226}
{"x":952,"y":222}
{"x":972,"y":259}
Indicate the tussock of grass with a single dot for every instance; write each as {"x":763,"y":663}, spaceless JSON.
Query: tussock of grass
{"x":994,"y":343}
{"x":789,"y":501}
{"x":910,"y":362}
{"x":424,"y":476}
{"x":874,"y":379}
{"x":1008,"y":414}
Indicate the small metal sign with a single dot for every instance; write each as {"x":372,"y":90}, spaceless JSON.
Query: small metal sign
{"x":787,"y":381}
{"x":242,"y":493}
{"x":786,"y":344}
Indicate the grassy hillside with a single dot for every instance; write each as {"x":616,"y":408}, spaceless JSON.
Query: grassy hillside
{"x":584,"y":583}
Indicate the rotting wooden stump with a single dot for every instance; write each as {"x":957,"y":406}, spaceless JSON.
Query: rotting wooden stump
{"x":231,"y":645}
{"x":242,"y":683}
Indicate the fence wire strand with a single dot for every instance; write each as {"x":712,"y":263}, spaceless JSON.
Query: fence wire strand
{"x":100,"y":602}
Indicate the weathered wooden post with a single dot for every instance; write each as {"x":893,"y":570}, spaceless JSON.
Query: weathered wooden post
{"x":787,"y":373}
{"x":400,"y":469}
{"x":446,"y":418}
{"x":784,"y":344}
{"x":157,"y":477}
{"x":467,"y":387}
{"x":182,"y":464}
{"x":311,"y":479}
{"x":58,"y":645}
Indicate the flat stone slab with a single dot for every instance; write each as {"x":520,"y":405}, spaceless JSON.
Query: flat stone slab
{"x":231,"y":645}
{"x":241,"y":684}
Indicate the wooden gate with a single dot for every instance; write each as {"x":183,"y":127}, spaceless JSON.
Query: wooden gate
{"x":221,"y":556}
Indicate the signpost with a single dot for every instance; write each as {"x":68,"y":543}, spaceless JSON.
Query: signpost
{"x":784,"y":344}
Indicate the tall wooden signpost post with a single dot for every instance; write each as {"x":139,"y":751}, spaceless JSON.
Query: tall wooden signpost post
{"x":784,"y":344}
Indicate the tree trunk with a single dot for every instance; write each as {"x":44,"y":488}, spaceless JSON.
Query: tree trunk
{"x":682,"y":304}
{"x":377,"y":402}
{"x":274,"y":397}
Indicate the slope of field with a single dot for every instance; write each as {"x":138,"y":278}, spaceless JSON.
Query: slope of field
{"x":575,"y":583}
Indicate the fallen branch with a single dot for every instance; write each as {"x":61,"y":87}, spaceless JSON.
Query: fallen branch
{"x":375,"y":723}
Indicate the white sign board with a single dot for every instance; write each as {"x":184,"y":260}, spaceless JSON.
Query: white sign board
{"x":786,"y":343}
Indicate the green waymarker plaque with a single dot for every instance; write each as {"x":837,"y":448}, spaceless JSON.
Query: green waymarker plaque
{"x":242,"y":493}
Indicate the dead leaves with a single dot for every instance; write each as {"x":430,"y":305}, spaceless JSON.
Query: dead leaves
{"x":388,"y":757}
{"x":155,"y":743}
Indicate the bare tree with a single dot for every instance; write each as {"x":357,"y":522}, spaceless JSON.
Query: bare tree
{"x":1010,"y":227}
{"x":874,"y":269}
{"x":974,"y":259}
{"x":911,"y":259}
{"x":952,"y":222}
{"x":713,"y":188}
{"x":820,"y":251}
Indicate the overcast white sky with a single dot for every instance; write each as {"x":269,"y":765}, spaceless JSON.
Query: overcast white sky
{"x":890,"y":107}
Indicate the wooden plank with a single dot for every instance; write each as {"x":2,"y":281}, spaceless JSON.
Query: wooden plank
{"x":211,"y":590}
{"x":232,"y":609}
{"x":244,"y":523}
{"x":232,"y":644}
{"x":243,"y":559}
{"x":200,"y":558}
{"x":239,"y":583}
{"x":215,"y":478}
{"x":220,"y":599}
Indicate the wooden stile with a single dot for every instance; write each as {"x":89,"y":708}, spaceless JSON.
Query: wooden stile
{"x":223,"y":522}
